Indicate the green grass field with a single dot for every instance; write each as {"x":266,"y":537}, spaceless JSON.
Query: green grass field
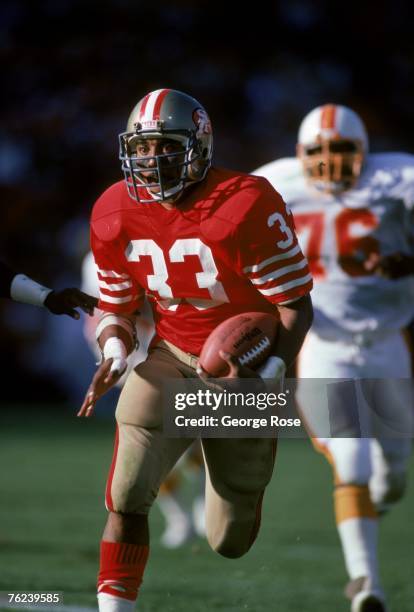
{"x":53,"y":471}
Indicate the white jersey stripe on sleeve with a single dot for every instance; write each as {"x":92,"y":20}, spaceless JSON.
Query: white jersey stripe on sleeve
{"x":115,"y":300}
{"x":295,"y":299}
{"x":151,"y":103}
{"x":285,"y":287}
{"x":115,"y":287}
{"x":149,"y":109}
{"x":278,"y":273}
{"x":266,"y":262}
{"x":112,"y":274}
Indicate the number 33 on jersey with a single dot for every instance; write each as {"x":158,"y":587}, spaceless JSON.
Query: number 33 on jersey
{"x":216,"y":256}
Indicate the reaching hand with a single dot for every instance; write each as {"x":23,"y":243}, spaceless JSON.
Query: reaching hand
{"x":236,"y":371}
{"x":65,"y":302}
{"x":391,"y":266}
{"x":103,"y":380}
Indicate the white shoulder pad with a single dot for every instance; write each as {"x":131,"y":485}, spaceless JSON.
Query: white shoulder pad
{"x":390,"y":175}
{"x":285,"y":175}
{"x":279,"y":168}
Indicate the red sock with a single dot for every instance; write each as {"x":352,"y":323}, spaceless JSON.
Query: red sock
{"x":122,"y":568}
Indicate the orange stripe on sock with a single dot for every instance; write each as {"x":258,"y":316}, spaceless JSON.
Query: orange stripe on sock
{"x":352,"y":501}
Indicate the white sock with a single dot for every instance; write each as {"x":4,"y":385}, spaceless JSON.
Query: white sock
{"x":110,"y":603}
{"x":171,"y":509}
{"x":178,"y":528}
{"x":359,"y":537}
{"x":199,"y":516}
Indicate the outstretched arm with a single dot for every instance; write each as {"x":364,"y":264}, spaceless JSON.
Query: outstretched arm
{"x":116,"y":338}
{"x":65,"y":302}
{"x":391,"y":266}
{"x":22,"y":288}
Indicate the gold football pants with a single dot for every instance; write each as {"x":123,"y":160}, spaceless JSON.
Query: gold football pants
{"x":237,"y":470}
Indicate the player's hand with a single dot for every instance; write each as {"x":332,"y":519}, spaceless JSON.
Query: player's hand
{"x":236,"y":371}
{"x":65,"y":302}
{"x":396,"y":265}
{"x":103,"y":380}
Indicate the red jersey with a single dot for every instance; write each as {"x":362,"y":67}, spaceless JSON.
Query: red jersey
{"x":227,"y":248}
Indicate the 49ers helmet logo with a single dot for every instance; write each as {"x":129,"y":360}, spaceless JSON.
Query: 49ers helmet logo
{"x":202,"y":121}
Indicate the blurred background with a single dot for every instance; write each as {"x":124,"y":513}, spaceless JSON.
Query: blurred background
{"x":71,"y":72}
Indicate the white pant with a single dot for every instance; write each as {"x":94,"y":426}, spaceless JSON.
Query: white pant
{"x":380,"y":461}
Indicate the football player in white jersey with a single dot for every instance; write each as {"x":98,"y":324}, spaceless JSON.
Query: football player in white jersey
{"x":354,"y":216}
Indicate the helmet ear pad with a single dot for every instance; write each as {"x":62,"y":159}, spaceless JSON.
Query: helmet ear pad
{"x":198,"y":164}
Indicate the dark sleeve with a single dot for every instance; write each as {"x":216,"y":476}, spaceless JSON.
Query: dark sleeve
{"x":6,"y":277}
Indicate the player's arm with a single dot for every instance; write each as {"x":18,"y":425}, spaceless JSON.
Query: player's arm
{"x":67,"y":300}
{"x":295,"y":320}
{"x":279,"y":271}
{"x":21,"y":288}
{"x":120,"y":299}
{"x":398,"y":264}
{"x":116,"y":338}
{"x":394,"y":266}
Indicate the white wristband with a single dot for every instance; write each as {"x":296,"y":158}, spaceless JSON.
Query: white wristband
{"x":24,"y":289}
{"x":273,"y":367}
{"x":115,"y":349}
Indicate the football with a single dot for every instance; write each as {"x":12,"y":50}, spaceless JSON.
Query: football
{"x":248,"y":336}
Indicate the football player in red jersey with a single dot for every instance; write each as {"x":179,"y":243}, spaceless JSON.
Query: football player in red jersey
{"x":182,"y":511}
{"x":203,"y":244}
{"x":21,"y":288}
